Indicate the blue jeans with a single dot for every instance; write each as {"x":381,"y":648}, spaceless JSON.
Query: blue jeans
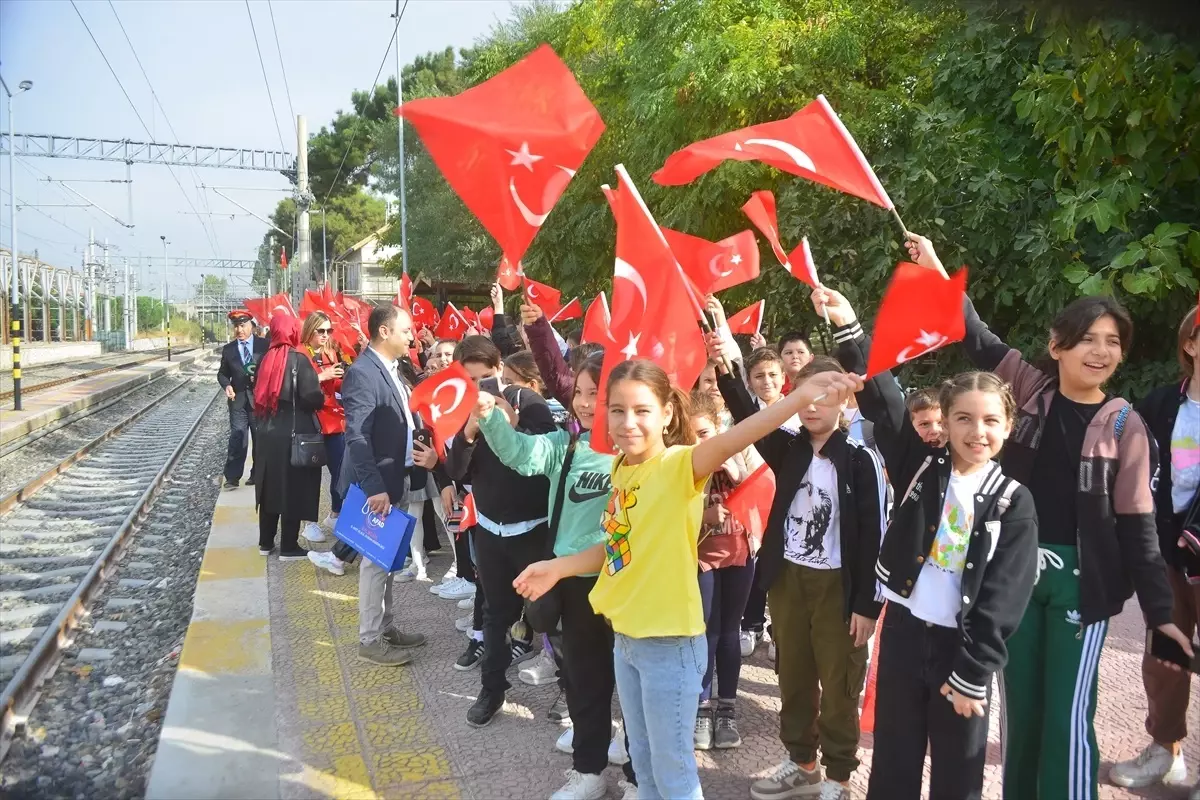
{"x":335,"y":449}
{"x":658,"y":680}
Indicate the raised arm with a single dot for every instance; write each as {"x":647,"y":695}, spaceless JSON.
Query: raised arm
{"x":523,"y":453}
{"x":827,"y":389}
{"x":550,"y":362}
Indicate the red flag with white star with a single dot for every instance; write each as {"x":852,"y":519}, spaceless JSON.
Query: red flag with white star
{"x":715,"y":266}
{"x":445,"y":400}
{"x":452,"y":325}
{"x":509,"y":146}
{"x":572,"y":310}
{"x":543,"y":296}
{"x":653,"y":315}
{"x":596,"y":322}
{"x":469,"y":516}
{"x":749,"y":320}
{"x":508,"y":276}
{"x":812,"y":143}
{"x":423,"y":312}
{"x":921,"y":311}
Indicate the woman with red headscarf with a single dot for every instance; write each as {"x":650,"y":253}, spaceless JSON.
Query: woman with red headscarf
{"x":287,"y":395}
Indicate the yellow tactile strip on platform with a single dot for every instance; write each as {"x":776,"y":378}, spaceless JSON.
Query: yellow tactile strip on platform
{"x":361,"y":731}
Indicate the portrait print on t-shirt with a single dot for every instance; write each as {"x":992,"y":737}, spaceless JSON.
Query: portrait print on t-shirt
{"x":811,"y":527}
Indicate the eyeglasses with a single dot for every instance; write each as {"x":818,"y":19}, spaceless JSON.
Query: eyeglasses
{"x":325,"y":331}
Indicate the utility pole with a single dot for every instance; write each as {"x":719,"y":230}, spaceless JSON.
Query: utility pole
{"x":166,"y":298}
{"x":400,"y":132}
{"x":15,"y":295}
{"x":108,"y":294}
{"x":89,"y":287}
{"x":324,"y":248}
{"x":127,"y":308}
{"x":302,"y":271}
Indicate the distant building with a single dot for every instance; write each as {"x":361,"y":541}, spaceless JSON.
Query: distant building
{"x":361,"y":269}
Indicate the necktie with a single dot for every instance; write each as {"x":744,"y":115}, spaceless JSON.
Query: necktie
{"x":245,"y":353}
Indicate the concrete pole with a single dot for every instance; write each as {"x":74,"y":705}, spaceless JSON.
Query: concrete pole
{"x":62,"y":306}
{"x":47,"y":283}
{"x":89,"y":304}
{"x":108,"y":293}
{"x":127,"y":307}
{"x":302,"y":270}
{"x":400,"y":162}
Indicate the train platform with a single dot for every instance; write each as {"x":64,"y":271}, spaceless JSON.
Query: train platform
{"x":41,"y":408}
{"x":270,"y":700}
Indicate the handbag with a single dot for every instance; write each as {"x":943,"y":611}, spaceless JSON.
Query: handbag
{"x":544,"y":613}
{"x":308,"y":449}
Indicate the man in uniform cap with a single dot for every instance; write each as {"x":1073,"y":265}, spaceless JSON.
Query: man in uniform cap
{"x":239,"y":361}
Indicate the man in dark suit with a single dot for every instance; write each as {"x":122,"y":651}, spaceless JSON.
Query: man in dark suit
{"x":239,"y":361}
{"x":379,"y":458}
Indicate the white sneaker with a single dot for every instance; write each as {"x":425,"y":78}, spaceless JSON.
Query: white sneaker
{"x":457,"y":589}
{"x":629,"y":791}
{"x":749,"y":640}
{"x":1155,"y":764}
{"x":312,"y":532}
{"x":327,"y":561}
{"x":541,"y":671}
{"x":581,"y":786}
{"x":467,"y":603}
{"x":330,"y":522}
{"x":789,"y":779}
{"x":410,"y":574}
{"x":566,"y":742}
{"x":832,"y":790}
{"x":464,"y":623}
{"x":617,"y":756}
{"x":771,"y":651}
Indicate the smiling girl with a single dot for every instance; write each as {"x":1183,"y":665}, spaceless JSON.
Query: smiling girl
{"x":957,"y":566}
{"x":1086,"y":457}
{"x":647,"y":587}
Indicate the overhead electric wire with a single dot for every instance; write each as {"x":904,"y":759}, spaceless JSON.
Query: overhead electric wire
{"x":287,"y":88}
{"x":55,"y":184}
{"x":47,"y":216}
{"x":146,"y":127}
{"x":262,"y":64}
{"x":195,"y":177}
{"x":354,"y":131}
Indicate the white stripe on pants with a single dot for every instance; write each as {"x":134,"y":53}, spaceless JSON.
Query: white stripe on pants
{"x":1080,"y":770}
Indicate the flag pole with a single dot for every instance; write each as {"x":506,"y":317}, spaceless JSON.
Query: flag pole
{"x":900,"y":222}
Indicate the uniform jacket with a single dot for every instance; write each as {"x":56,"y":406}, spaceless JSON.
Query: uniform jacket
{"x":232,"y":372}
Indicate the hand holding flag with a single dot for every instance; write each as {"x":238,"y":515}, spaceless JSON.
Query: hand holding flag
{"x":445,"y":399}
{"x":921,"y":312}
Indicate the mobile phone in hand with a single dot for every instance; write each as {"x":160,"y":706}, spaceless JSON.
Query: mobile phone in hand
{"x":423,"y":436}
{"x":491,"y":386}
{"x":1164,"y":648}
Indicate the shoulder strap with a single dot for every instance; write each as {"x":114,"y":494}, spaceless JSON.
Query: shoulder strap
{"x":916,"y":476}
{"x":1119,"y":424}
{"x":1005,"y":498}
{"x":556,"y":515}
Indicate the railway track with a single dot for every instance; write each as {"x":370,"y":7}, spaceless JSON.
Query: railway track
{"x":64,"y":529}
{"x":50,"y":384}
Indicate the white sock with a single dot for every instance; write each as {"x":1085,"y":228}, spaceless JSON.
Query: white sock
{"x":477,"y":635}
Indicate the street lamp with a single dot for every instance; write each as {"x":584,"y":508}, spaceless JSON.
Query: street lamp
{"x":15,"y":295}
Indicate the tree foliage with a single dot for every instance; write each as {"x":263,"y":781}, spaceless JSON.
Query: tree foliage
{"x":1053,"y":155}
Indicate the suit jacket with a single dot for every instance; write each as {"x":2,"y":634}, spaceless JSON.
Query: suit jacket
{"x":232,"y":372}
{"x":376,"y":430}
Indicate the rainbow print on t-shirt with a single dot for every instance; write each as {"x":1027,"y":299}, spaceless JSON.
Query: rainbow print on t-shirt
{"x":615,"y":522}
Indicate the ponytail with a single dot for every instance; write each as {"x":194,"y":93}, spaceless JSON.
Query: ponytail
{"x":679,"y":431}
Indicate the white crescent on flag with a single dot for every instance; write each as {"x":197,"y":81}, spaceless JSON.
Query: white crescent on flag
{"x":530,"y":218}
{"x":798,"y":156}
{"x":623,"y":269}
{"x":926,"y":341}
{"x":459,"y":386}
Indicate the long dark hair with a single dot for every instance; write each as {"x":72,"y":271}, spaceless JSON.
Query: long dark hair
{"x":1074,"y":321}
{"x":652,"y":375}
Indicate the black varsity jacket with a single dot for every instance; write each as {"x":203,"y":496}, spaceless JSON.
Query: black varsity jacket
{"x":861,"y":490}
{"x":1160,"y":409}
{"x":1002,"y":555}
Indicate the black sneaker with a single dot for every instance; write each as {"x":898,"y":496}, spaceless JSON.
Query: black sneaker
{"x":521,"y":651}
{"x":471,"y":656}
{"x":485,"y":708}
{"x":299,"y":554}
{"x":229,"y":484}
{"x":250,"y":481}
{"x":266,"y":551}
{"x":559,"y":712}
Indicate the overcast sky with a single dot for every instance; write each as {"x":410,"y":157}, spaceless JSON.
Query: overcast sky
{"x":201,"y":59}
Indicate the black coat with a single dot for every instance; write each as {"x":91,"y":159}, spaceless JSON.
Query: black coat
{"x":1160,"y":409}
{"x":233,"y":373}
{"x":280,"y":488}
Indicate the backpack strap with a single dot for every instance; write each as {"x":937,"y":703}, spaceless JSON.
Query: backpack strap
{"x":1119,"y":424}
{"x":1005,"y":498}
{"x":916,"y":477}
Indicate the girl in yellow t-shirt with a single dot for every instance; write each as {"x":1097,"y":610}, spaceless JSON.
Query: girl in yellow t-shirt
{"x":647,"y":587}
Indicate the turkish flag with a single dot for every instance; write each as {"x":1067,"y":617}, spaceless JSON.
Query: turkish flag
{"x":596,"y":322}
{"x":750,"y":501}
{"x":544,"y":297}
{"x":921,"y":311}
{"x":452,"y":325}
{"x":469,"y":517}
{"x":404,"y":294}
{"x":653,"y":314}
{"x":486,"y":317}
{"x":445,"y":400}
{"x":802,"y":266}
{"x":312,"y":302}
{"x":749,"y":319}
{"x":572,"y":310}
{"x":760,"y":208}
{"x":282,"y":257}
{"x":423,"y":312}
{"x":345,"y":334}
{"x":812,"y":143}
{"x":714,"y":266}
{"x":470,"y":316}
{"x":263,"y":308}
{"x":508,"y":276}
{"x":510,"y":145}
